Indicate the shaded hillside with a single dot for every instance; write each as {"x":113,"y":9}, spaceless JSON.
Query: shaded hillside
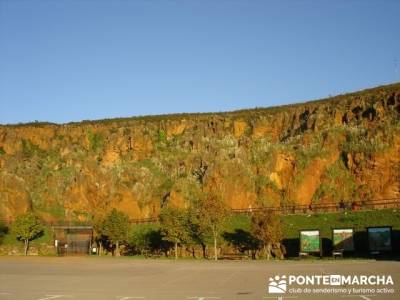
{"x":346,"y":147}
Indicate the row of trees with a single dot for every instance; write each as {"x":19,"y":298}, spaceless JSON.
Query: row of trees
{"x":199,"y":225}
{"x":193,"y":225}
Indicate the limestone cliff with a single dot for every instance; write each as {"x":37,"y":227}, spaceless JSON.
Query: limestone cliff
{"x":346,"y":147}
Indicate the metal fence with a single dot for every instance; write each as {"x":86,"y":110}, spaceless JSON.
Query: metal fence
{"x":327,"y":207}
{"x":331,"y":207}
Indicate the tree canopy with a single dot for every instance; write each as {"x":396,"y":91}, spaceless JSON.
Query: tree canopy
{"x":174,"y":225}
{"x":115,"y":227}
{"x":212,"y":212}
{"x":27,"y":227}
{"x":266,"y":226}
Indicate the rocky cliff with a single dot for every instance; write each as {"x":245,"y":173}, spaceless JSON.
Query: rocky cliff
{"x":342,"y":148}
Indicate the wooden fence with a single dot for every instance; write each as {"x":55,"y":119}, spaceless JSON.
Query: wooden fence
{"x":285,"y":209}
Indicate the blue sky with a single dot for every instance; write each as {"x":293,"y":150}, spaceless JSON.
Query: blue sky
{"x":71,"y":60}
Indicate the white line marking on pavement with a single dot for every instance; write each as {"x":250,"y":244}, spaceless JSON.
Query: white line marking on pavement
{"x":126,"y":298}
{"x":365,"y":297}
{"x":49,"y":297}
{"x":280,"y":297}
{"x":202,"y":298}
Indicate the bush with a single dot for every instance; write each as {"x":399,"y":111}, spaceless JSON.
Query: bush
{"x":358,"y":141}
{"x":3,"y":231}
{"x":162,"y":136}
{"x":30,"y":150}
{"x":337,"y":184}
{"x":146,"y":239}
{"x":95,"y":141}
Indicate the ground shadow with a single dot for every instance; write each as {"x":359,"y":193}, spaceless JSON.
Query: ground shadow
{"x":3,"y":231}
{"x":241,"y":240}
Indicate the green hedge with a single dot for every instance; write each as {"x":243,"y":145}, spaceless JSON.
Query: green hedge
{"x":359,"y":221}
{"x":326,"y":222}
{"x":46,"y":238}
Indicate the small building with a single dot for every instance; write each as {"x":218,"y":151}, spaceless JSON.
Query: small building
{"x":73,"y":240}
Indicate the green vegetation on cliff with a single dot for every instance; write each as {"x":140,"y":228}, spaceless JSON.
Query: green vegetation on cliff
{"x":343,"y":148}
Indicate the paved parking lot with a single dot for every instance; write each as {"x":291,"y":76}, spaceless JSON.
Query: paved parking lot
{"x":75,"y":278}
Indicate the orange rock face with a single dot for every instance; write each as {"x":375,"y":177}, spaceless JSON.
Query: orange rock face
{"x":346,"y":147}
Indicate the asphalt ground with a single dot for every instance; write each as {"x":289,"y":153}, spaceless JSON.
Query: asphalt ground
{"x":88,"y":278}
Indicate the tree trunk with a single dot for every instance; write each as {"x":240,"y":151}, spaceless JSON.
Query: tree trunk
{"x":117,"y":249}
{"x":268,"y":251}
{"x":26,"y":247}
{"x":253,"y":254}
{"x":193,"y":252}
{"x":203,"y":247}
{"x":281,"y":251}
{"x":215,"y":247}
{"x":100,"y":248}
{"x":176,"y":249}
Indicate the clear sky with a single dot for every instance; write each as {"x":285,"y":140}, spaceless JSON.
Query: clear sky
{"x":69,"y":60}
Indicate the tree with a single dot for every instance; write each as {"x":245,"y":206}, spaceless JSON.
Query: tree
{"x":173,"y":222}
{"x":26,"y":228}
{"x":197,"y":230}
{"x":3,"y":230}
{"x":147,"y":239}
{"x":115,"y":228}
{"x":212,"y":212}
{"x":190,"y":189}
{"x":98,"y":236}
{"x":266,"y":226}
